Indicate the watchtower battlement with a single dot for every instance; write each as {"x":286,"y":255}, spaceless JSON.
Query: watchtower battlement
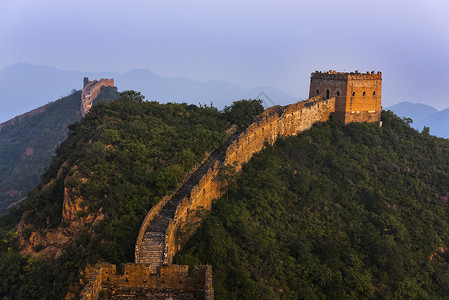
{"x":91,"y":90}
{"x":358,"y":95}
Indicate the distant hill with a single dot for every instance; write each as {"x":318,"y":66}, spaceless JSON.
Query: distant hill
{"x":416,"y":111}
{"x":437,"y":122}
{"x":25,"y":87}
{"x":424,"y":115}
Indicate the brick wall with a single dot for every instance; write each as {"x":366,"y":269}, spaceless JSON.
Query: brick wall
{"x":174,"y":280}
{"x":275,"y":122}
{"x":91,"y":91}
{"x":136,"y":278}
{"x":358,"y":96}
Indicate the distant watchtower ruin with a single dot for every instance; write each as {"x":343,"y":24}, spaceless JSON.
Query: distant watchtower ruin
{"x":357,"y":95}
{"x":91,"y":90}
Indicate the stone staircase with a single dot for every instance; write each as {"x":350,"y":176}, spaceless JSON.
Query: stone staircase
{"x":152,"y":250}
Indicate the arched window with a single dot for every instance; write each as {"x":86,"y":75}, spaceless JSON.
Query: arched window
{"x":364,"y":93}
{"x":353,"y":94}
{"x":338,"y":93}
{"x":374,"y":93}
{"x":327,"y":93}
{"x":317,"y":92}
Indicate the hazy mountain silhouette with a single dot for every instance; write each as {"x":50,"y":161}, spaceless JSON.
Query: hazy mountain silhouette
{"x":438,"y":123}
{"x":424,"y":115}
{"x":25,"y":87}
{"x":416,"y":111}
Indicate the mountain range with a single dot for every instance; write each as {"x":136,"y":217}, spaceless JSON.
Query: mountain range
{"x":25,"y":87}
{"x":424,"y":115}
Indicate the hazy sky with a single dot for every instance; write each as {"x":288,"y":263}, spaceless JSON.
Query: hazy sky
{"x":251,"y":43}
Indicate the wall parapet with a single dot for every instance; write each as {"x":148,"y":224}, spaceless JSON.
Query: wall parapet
{"x":90,"y":92}
{"x":157,"y":208}
{"x":332,"y":74}
{"x":174,"y":278}
{"x":198,"y":195}
{"x":272,"y":123}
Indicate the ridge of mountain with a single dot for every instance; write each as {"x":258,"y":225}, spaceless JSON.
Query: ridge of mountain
{"x":416,"y":111}
{"x":437,"y":122}
{"x":25,"y":87}
{"x":27,"y":144}
{"x":424,"y":115}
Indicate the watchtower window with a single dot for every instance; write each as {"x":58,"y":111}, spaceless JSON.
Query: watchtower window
{"x":327,"y":94}
{"x":353,"y":94}
{"x":317,"y":92}
{"x":338,"y":93}
{"x":364,"y":93}
{"x":374,"y":93}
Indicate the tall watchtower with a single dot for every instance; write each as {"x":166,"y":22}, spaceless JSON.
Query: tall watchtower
{"x":357,"y":95}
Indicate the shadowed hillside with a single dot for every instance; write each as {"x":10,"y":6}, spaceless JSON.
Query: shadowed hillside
{"x":27,"y":144}
{"x":353,"y":211}
{"x":114,"y":165}
{"x":338,"y":212}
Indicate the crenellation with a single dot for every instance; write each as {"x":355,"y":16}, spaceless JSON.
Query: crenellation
{"x":353,"y":91}
{"x":137,"y":279}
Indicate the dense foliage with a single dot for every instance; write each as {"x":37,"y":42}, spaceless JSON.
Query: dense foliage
{"x":337,"y":212}
{"x":242,"y":112}
{"x":107,"y":94}
{"x":26,"y":147}
{"x":130,"y":153}
{"x":127,"y":154}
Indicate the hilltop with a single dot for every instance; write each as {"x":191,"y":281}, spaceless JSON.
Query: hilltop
{"x":26,"y":86}
{"x":337,"y":212}
{"x":114,"y":165}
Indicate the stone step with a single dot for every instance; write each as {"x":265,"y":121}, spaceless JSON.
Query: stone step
{"x":152,"y":247}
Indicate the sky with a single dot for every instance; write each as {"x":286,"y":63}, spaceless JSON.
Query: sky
{"x":250,"y":43}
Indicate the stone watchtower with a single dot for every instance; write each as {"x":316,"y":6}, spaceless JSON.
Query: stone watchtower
{"x":357,"y":96}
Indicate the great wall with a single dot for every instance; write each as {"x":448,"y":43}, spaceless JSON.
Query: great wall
{"x":90,"y":92}
{"x":170,"y":223}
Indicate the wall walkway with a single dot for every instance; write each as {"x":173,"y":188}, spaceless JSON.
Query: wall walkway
{"x":170,"y":223}
{"x":91,"y":91}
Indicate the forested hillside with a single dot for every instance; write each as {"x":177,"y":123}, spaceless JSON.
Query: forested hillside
{"x":337,"y":212}
{"x":114,"y":165}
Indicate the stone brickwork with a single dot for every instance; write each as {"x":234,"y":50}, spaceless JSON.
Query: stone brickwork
{"x":358,"y":96}
{"x":170,"y":223}
{"x":91,"y":90}
{"x":137,"y":282}
{"x":354,"y":97}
